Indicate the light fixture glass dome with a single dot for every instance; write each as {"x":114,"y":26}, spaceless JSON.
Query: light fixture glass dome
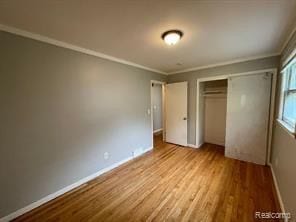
{"x":172,"y":37}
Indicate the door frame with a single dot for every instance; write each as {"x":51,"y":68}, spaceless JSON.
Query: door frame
{"x":274,"y":72}
{"x":162,"y":110}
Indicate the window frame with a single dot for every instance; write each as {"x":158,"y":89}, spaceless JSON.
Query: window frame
{"x":285,"y":91}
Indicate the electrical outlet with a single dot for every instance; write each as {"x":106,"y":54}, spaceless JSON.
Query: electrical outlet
{"x":106,"y":155}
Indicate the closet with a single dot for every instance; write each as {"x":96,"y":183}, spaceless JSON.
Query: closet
{"x":215,"y":103}
{"x":235,"y":112}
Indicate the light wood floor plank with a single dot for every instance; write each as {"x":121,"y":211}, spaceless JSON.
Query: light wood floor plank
{"x":170,"y":183}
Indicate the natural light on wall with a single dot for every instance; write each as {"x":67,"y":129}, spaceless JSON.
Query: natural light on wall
{"x":288,"y":98}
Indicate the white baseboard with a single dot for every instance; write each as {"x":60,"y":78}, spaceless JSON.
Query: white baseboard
{"x":192,"y":145}
{"x":148,"y":149}
{"x":66,"y":189}
{"x":277,"y":191}
{"x":195,"y":146}
{"x":158,"y":130}
{"x":200,"y":145}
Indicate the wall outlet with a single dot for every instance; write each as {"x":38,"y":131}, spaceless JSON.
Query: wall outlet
{"x":106,"y":155}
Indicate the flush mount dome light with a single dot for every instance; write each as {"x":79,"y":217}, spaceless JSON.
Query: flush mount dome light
{"x":172,"y":37}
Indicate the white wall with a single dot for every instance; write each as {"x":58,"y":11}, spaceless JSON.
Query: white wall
{"x":283,"y":155}
{"x":284,"y":165}
{"x":157,"y":106}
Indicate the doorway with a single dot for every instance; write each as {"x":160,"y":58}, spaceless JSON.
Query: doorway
{"x":214,"y":95}
{"x":157,"y":112}
{"x":168,"y":113}
{"x":236,"y":111}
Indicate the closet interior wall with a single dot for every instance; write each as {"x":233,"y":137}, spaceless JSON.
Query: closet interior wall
{"x":214,"y":115}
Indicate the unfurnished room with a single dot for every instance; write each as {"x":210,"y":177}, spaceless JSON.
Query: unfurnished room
{"x":168,"y":110}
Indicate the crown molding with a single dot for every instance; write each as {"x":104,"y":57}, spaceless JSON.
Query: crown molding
{"x":62,"y":44}
{"x":288,"y":39}
{"x":225,"y":63}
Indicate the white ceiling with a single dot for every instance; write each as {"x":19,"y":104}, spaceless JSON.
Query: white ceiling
{"x":214,"y":31}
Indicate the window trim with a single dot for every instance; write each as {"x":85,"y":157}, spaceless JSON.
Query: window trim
{"x":286,"y":123}
{"x":286,"y":127}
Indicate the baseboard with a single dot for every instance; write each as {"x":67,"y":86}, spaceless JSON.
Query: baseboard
{"x":158,"y":130}
{"x":148,"y":149}
{"x":195,"y":146}
{"x":200,"y":145}
{"x":66,"y":189}
{"x":277,"y":190}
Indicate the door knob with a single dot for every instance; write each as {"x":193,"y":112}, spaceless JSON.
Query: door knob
{"x":185,"y":118}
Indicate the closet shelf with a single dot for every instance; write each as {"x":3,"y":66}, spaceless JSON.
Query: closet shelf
{"x":215,"y":92}
{"x":216,"y":95}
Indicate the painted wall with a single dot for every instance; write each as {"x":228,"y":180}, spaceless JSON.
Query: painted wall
{"x":191,"y":77}
{"x":60,"y":111}
{"x":283,"y":157}
{"x":157,"y":106}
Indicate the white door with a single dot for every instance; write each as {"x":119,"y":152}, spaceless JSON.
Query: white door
{"x":247,"y":118}
{"x":176,"y":113}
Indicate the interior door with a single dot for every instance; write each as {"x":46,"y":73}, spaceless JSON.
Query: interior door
{"x":248,"y":103}
{"x":176,"y":113}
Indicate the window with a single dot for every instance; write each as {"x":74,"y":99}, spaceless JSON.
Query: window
{"x":288,"y":103}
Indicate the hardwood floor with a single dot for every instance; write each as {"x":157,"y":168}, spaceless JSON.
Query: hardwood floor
{"x":158,"y":140}
{"x":170,"y":183}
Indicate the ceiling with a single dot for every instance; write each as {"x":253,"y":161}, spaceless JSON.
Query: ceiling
{"x":214,"y":31}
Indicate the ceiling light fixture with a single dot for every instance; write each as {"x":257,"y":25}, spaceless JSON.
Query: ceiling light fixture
{"x":172,"y":37}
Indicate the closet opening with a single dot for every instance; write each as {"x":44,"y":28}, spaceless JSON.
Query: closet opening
{"x":213,"y":107}
{"x":236,"y":112}
{"x":212,"y":111}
